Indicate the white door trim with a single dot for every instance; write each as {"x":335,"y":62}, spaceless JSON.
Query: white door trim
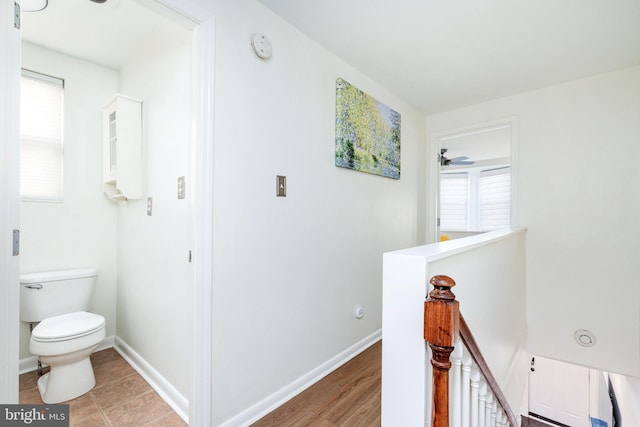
{"x":9,"y":202}
{"x":202,"y":165}
{"x":202,"y":23}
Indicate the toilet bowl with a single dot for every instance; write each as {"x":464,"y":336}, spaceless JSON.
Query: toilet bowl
{"x":65,"y":343}
{"x":66,"y":334}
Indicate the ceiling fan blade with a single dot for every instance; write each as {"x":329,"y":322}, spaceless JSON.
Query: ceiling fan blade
{"x":461,"y":162}
{"x":460,"y":158}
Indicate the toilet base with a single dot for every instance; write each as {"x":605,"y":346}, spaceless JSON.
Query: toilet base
{"x":66,"y":382}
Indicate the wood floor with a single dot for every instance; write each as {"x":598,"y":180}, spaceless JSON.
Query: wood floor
{"x":349,"y":396}
{"x":120,"y":398}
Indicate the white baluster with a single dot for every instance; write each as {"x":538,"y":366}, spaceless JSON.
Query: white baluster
{"x":482,"y":402}
{"x":455,"y":383}
{"x":487,"y":416}
{"x":494,"y":412}
{"x":505,"y":422}
{"x":475,"y":385}
{"x":499,"y":417}
{"x":466,"y":390}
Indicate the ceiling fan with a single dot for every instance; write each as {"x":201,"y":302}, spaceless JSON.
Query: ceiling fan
{"x":38,"y":5}
{"x":462,"y":160}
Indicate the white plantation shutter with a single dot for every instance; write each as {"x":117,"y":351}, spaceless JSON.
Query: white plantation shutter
{"x":495,"y":198}
{"x":454,"y":199}
{"x":41,"y":128}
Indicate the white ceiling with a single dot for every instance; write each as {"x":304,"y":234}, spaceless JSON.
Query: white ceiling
{"x":485,"y":146}
{"x":110,"y":34}
{"x":434,"y":54}
{"x":442,"y":54}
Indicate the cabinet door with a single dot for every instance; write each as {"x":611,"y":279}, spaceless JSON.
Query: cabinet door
{"x":110,"y":166}
{"x":122,"y":140}
{"x":129,"y":162}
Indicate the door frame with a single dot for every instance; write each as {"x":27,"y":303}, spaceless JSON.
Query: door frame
{"x":10,"y":54}
{"x":202,"y":23}
{"x":433,"y":162}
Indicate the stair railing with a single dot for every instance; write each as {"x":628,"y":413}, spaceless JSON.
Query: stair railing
{"x":476,"y":397}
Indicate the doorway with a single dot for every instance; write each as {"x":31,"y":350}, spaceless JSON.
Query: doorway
{"x":567,"y":394}
{"x":474,"y":179}
{"x":202,"y":109}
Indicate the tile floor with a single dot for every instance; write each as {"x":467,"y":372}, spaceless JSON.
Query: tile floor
{"x":120,"y":398}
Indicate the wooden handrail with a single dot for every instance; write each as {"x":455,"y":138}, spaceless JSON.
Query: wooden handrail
{"x":443,"y":323}
{"x":470,"y":342}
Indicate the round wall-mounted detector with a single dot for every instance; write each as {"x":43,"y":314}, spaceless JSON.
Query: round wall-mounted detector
{"x":261,"y":46}
{"x":585,"y":338}
{"x":34,"y":5}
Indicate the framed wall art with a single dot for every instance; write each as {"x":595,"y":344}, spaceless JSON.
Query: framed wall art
{"x":367,"y":133}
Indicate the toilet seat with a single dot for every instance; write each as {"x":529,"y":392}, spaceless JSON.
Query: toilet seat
{"x":67,"y":327}
{"x":67,"y":333}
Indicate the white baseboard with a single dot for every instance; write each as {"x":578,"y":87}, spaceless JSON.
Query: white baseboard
{"x":268,"y":404}
{"x":29,"y":364}
{"x":167,"y":392}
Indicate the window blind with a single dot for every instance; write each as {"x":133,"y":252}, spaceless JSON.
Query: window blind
{"x":41,"y":131}
{"x":495,"y":198}
{"x":454,"y":199}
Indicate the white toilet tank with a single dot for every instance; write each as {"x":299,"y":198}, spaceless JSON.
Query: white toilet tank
{"x":53,"y":293}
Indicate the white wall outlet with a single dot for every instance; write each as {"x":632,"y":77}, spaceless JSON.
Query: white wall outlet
{"x":358,"y":312}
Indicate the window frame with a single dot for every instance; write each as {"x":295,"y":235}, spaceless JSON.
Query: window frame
{"x":37,"y":142}
{"x":473,"y":202}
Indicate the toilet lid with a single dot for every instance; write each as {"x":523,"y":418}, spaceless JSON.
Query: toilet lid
{"x":67,"y":326}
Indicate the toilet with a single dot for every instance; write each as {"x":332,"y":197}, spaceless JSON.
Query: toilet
{"x":66,"y":334}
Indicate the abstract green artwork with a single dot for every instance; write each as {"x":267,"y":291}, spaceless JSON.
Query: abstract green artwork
{"x":367,"y":133}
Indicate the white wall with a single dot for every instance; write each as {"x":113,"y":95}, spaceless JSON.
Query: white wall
{"x":289,"y":271}
{"x":81,"y":231}
{"x":578,"y":196}
{"x":154,"y":285}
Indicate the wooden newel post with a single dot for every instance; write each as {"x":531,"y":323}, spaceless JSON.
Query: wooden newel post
{"x":441,"y":326}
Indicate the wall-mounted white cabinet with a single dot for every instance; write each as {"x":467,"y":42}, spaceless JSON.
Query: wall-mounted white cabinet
{"x":123,"y":155}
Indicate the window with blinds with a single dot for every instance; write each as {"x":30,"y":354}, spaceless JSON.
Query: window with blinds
{"x":475,"y":200}
{"x":454,"y":201}
{"x":494,"y":199}
{"x":41,"y":130}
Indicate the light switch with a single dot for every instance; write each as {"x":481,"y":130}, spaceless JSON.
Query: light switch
{"x":281,"y":186}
